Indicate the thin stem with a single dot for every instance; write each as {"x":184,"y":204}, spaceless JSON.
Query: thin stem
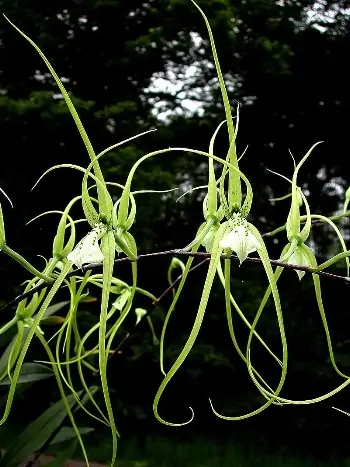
{"x":23,"y":262}
{"x":199,"y":254}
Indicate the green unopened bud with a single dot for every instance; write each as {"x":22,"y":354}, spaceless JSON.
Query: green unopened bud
{"x":140,"y":313}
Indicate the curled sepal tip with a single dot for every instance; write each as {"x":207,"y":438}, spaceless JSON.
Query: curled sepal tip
{"x":177,"y":424}
{"x":7,"y":197}
{"x":342,"y":411}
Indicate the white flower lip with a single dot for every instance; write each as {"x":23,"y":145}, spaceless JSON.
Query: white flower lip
{"x":87,"y":250}
{"x":299,"y":259}
{"x":241,"y":241}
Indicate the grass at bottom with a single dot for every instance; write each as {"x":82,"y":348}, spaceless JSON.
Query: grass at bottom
{"x":162,"y":452}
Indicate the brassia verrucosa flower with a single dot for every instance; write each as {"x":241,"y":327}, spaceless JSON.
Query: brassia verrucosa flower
{"x":298,"y":253}
{"x":218,"y":236}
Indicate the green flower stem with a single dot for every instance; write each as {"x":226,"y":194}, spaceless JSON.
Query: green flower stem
{"x":23,"y":262}
{"x":331,"y":261}
{"x":9,"y":325}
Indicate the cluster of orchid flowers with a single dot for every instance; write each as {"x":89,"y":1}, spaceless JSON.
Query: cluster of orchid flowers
{"x":224,"y":233}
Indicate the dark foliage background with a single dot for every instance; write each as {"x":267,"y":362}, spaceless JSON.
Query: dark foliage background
{"x":286,"y":63}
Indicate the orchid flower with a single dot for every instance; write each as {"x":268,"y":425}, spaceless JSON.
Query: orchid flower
{"x":300,"y":258}
{"x":88,"y":250}
{"x":240,"y":239}
{"x":298,"y":253}
{"x":216,"y":235}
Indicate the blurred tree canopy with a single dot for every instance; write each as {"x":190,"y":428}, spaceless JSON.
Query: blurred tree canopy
{"x":133,"y":65}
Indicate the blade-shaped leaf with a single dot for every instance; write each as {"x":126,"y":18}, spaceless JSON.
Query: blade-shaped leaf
{"x":5,"y":355}
{"x":54,"y":308}
{"x":6,"y":337}
{"x":52,"y":321}
{"x":67,"y":433}
{"x":30,"y":372}
{"x":35,"y":435}
{"x":63,"y":455}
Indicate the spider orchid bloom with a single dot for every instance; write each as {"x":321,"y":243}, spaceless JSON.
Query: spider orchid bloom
{"x":88,"y":250}
{"x":299,"y":258}
{"x":240,"y":239}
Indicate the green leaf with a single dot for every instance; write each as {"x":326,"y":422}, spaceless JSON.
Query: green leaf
{"x":5,"y":356}
{"x":52,"y":309}
{"x":33,"y":437}
{"x":52,"y":321}
{"x":6,"y":337}
{"x":65,"y":454}
{"x":30,"y":372}
{"x":66,"y":433}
